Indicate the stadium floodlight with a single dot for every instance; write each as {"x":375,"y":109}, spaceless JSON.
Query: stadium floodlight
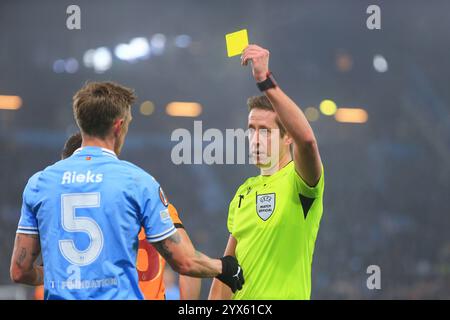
{"x":88,"y":58}
{"x":102,"y":59}
{"x":328,"y":107}
{"x":147,"y":108}
{"x":183,"y":41}
{"x":312,"y":114}
{"x":379,"y":63}
{"x":71,"y":65}
{"x":10,"y":102}
{"x":351,"y":115}
{"x":58,"y":66}
{"x":158,"y":44}
{"x":138,"y":48}
{"x":123,"y":52}
{"x":184,"y":109}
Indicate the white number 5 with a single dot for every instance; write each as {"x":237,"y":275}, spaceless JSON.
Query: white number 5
{"x":71,"y":223}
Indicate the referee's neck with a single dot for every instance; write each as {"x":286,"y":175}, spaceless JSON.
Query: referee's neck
{"x":278,"y":166}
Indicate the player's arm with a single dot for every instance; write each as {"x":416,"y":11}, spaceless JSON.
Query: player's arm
{"x":179,"y":253}
{"x":189,"y":286}
{"x":306,"y":152}
{"x":23,"y":269}
{"x":220,"y":291}
{"x":184,"y":259}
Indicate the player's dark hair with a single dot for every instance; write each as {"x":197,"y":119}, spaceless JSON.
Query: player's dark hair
{"x":72,"y":144}
{"x":98,"y":104}
{"x":262,"y":102}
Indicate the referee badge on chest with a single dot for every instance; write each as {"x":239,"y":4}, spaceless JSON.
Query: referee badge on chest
{"x":265,"y":205}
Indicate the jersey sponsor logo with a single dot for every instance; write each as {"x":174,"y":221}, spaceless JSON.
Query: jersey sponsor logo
{"x":265,"y":205}
{"x":87,"y":177}
{"x":74,"y":281}
{"x":163,"y":197}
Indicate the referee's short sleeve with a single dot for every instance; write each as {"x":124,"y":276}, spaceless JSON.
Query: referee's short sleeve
{"x":231,"y":211}
{"x":307,"y":191}
{"x":311,"y":199}
{"x":232,"y":208}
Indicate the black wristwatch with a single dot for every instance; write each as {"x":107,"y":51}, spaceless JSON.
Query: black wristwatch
{"x":268,"y":83}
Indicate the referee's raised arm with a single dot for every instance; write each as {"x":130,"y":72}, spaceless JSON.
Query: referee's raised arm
{"x":306,"y":152}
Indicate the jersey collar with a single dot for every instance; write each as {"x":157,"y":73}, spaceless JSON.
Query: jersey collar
{"x":277,"y":174}
{"x":95,"y":151}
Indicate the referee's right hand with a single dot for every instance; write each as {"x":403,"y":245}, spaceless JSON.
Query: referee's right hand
{"x":232,"y":274}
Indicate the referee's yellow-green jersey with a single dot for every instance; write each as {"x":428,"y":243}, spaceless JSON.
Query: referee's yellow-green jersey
{"x":275,"y":220}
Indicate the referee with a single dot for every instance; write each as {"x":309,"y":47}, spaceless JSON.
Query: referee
{"x":274,"y":218}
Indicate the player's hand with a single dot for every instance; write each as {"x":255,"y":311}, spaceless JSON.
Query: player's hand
{"x":232,"y":274}
{"x":259,"y":59}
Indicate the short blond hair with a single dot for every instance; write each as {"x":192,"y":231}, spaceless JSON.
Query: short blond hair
{"x":97,"y":104}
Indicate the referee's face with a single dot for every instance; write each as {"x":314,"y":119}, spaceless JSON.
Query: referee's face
{"x":264,"y":138}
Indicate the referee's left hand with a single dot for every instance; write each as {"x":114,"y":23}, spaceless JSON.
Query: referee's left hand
{"x":259,"y":58}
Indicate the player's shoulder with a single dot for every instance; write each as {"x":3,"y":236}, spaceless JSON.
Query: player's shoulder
{"x":33,"y":180}
{"x":32,"y":185}
{"x":138,"y":173}
{"x":132,"y":168}
{"x":55,"y":165}
{"x":51,"y":169}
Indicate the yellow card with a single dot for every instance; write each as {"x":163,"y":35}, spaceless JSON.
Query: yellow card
{"x":236,"y":42}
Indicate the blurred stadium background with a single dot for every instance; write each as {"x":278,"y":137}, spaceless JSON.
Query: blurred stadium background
{"x":387,"y":176}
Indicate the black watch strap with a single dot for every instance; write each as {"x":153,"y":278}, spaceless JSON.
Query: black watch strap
{"x":268,"y":83}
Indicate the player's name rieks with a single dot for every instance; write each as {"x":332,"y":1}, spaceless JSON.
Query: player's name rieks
{"x":226,"y":309}
{"x":219,"y":144}
{"x":87,"y":177}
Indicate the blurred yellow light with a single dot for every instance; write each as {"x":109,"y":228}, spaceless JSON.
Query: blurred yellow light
{"x":351,"y":115}
{"x":10,"y":102}
{"x":184,"y":109}
{"x":147,"y":108}
{"x":312,"y":114}
{"x":328,"y":107}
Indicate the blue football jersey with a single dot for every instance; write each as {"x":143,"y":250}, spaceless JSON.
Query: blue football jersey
{"x":88,"y":210}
